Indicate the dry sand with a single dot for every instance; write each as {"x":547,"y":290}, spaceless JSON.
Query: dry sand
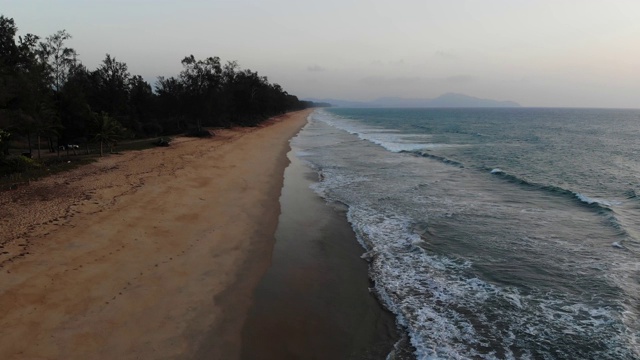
{"x":146,"y":255}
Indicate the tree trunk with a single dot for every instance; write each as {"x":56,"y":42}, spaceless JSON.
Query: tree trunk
{"x":101,"y":147}
{"x":38,"y":138}
{"x":29,"y":141}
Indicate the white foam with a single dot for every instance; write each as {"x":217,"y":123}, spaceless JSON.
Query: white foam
{"x":390,"y":139}
{"x":425,"y":291}
{"x":302,"y":153}
{"x":448,"y":311}
{"x":497,"y":171}
{"x":590,"y":200}
{"x":405,"y":277}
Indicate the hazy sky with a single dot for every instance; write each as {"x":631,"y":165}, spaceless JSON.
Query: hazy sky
{"x":582,"y":53}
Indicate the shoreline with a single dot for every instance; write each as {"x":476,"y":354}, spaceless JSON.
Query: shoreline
{"x":149,"y":254}
{"x":314,"y":300}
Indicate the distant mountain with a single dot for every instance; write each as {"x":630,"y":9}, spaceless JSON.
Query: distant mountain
{"x":459,"y":100}
{"x":449,"y":100}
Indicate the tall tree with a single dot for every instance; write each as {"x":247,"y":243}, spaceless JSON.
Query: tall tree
{"x":4,"y":143}
{"x":141,"y":103}
{"x":171,"y":93}
{"x":76,"y":112}
{"x":61,"y":59}
{"x":112,"y":81}
{"x":202,"y":80}
{"x":8,"y":60}
{"x":24,"y":74}
{"x":9,"y":53}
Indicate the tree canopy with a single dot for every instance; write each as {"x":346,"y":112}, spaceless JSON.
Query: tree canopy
{"x":46,"y":92}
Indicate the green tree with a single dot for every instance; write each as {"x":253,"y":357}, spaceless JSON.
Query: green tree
{"x":202,"y":80}
{"x":170,"y":94}
{"x":59,"y":61}
{"x":8,"y":59}
{"x":45,"y":122}
{"x":112,"y":86}
{"x":23,"y":69}
{"x":46,"y":92}
{"x":107,"y":131}
{"x":4,"y":143}
{"x":11,"y":67}
{"x":59,"y":58}
{"x":9,"y":53}
{"x":141,"y":103}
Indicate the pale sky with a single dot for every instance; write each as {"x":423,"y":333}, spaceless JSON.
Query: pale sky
{"x":574,"y":53}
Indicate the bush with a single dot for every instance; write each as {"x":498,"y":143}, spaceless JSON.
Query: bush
{"x":201,"y":133}
{"x":162,"y":142}
{"x":17,"y":164}
{"x":152,"y":129}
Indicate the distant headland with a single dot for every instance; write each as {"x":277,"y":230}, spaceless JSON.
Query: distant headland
{"x":449,"y":100}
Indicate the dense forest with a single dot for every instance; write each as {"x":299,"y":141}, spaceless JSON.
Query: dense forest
{"x":49,"y":99}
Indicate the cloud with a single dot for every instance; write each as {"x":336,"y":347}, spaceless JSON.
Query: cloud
{"x":445,"y":54}
{"x":409,"y":80}
{"x":316,"y":68}
{"x":458,"y":79}
{"x":399,"y":62}
{"x":391,"y":81}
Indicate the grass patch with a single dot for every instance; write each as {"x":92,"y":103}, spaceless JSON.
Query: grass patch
{"x":135,"y":145}
{"x":18,"y":170}
{"x":46,"y":167}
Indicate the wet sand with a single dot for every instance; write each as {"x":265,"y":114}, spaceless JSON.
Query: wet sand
{"x":146,"y":255}
{"x":314,"y":302}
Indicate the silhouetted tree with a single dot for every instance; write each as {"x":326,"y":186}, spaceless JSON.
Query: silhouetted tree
{"x":141,"y":104}
{"x":112,"y":87}
{"x":171,"y":93}
{"x":76,"y":112}
{"x":60,"y":58}
{"x":201,"y":80}
{"x":24,"y":75}
{"x":5,"y":136}
{"x":46,"y":92}
{"x":107,"y":130}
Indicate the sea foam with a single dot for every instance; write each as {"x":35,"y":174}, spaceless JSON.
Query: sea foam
{"x":448,"y":310}
{"x":391,"y":139}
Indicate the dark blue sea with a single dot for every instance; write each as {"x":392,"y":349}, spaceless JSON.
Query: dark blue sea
{"x":493,"y":233}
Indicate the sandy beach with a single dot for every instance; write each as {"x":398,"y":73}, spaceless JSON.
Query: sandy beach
{"x":149,"y":254}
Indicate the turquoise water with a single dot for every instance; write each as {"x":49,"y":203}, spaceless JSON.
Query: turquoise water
{"x":493,"y":233}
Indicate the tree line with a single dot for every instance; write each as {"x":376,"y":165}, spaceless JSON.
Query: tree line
{"x":48,"y":96}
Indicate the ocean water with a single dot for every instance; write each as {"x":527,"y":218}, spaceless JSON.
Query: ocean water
{"x":493,"y":233}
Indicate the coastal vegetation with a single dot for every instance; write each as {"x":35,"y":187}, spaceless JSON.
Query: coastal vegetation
{"x":51,"y":102}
